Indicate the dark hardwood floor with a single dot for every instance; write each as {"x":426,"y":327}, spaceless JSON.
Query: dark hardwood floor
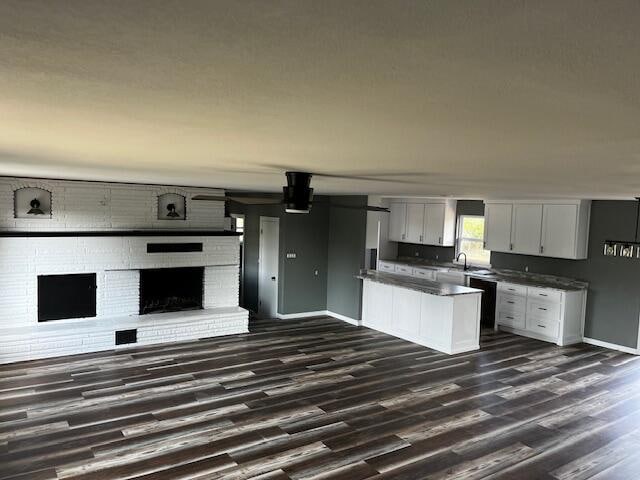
{"x":319,"y":398}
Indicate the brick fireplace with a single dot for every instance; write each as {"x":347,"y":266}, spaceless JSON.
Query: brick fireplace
{"x":68,"y":291}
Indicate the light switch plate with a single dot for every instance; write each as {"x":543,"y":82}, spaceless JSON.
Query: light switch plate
{"x":291,"y":255}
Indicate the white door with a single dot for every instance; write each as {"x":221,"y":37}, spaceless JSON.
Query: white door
{"x":397,"y":221}
{"x":497,"y":226}
{"x":559,"y":224}
{"x":415,"y":222}
{"x":434,"y":223}
{"x":527,"y":228}
{"x":268,"y":262}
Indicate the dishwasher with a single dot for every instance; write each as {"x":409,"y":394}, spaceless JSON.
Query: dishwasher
{"x":488,"y":304}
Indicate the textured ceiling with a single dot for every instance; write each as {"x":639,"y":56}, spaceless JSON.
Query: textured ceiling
{"x":465,"y":98}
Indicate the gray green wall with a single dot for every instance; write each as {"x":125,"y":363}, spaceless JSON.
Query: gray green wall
{"x":299,"y":288}
{"x":346,"y":256}
{"x":329,"y":240}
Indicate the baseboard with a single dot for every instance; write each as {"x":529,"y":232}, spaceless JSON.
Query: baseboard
{"x":344,"y":318}
{"x":290,"y":316}
{"x":319,"y":313}
{"x":611,"y":346}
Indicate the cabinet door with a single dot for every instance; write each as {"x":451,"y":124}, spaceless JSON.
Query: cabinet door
{"x":497,"y":226}
{"x":434,"y":223}
{"x":406,"y":313}
{"x":527,"y":228}
{"x":397,"y":221}
{"x":378,"y":299}
{"x":415,"y":222}
{"x":559,"y":230}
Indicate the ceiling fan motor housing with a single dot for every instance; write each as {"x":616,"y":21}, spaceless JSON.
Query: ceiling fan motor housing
{"x":298,"y":194}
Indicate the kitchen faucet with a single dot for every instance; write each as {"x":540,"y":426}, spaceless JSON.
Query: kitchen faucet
{"x":465,"y":260}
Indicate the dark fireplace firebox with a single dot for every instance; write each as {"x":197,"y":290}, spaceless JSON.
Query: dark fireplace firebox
{"x":171,"y":289}
{"x":66,"y":296}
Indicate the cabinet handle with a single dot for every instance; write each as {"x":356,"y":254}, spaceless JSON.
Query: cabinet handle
{"x":544,"y":295}
{"x":420,"y":237}
{"x":511,"y":303}
{"x":511,"y":246}
{"x":543,"y":309}
{"x":403,"y":236}
{"x":542,"y":326}
{"x":541,"y":248}
{"x":484,"y":245}
{"x":439,"y":239}
{"x":510,"y":318}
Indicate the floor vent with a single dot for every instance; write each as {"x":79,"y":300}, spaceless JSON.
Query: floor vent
{"x":124,"y":337}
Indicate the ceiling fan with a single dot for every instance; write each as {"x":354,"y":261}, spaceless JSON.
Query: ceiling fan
{"x":297,"y":195}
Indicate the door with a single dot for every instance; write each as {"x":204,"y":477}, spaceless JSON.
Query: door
{"x":434,"y":223}
{"x":497,"y":227}
{"x":527,"y":228}
{"x":268,"y":261}
{"x":559,"y":230}
{"x":397,"y":221}
{"x":415,"y":223}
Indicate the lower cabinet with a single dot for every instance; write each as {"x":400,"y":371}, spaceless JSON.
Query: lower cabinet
{"x":546,"y":314}
{"x":450,"y":324}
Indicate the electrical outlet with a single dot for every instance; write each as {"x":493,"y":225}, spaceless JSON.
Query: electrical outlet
{"x":526,"y":268}
{"x":291,"y":255}
{"x":315,"y":272}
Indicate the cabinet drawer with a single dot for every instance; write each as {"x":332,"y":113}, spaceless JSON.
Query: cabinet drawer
{"x":424,"y":273}
{"x":543,"y":327}
{"x":543,"y":310}
{"x":386,"y":267}
{"x":511,"y":319}
{"x":404,"y":270}
{"x":545,"y":294}
{"x":512,"y":288}
{"x":506,"y":301}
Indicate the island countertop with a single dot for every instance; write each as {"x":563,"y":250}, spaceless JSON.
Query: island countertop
{"x":418,"y":284}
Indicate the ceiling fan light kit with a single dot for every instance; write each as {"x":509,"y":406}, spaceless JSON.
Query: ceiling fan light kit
{"x":298,"y":193}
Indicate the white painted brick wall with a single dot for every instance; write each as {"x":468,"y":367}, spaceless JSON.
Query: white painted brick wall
{"x":221,"y":286}
{"x":86,"y":206}
{"x":120,"y":293}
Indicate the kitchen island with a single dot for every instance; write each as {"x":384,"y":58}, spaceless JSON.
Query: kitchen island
{"x":442,"y":316}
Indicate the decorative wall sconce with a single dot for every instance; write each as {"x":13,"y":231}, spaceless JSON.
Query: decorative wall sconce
{"x":32,"y":203}
{"x":626,"y":251}
{"x":172,"y":211}
{"x":172,"y":206}
{"x":35,"y":207}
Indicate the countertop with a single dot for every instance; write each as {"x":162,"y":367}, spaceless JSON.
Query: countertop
{"x":417,"y":284}
{"x":497,"y":275}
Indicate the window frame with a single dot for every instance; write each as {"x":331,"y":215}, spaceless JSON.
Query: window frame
{"x":460,"y":238}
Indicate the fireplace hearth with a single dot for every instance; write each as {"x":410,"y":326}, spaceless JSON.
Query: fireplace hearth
{"x":171,"y":289}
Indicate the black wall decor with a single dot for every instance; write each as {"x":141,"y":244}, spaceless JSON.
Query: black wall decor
{"x":32,"y":203}
{"x":172,"y":206}
{"x":125,"y":337}
{"x":66,"y":296}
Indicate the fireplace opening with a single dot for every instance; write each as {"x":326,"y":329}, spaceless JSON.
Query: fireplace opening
{"x":66,"y":296}
{"x":171,"y":289}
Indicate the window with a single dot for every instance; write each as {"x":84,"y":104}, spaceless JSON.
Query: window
{"x":239,"y":225}
{"x":471,"y":239}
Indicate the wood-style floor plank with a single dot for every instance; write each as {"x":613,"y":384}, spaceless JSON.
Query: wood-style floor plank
{"x":321,"y":399}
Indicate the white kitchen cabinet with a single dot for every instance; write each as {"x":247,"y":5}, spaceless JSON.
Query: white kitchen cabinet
{"x":405,"y":317}
{"x":397,"y":221}
{"x":546,"y":314}
{"x":424,"y":273}
{"x":559,"y":230}
{"x":377,"y":306}
{"x":434,"y":223}
{"x":527,"y":228}
{"x":388,"y":267}
{"x":497,"y":227}
{"x":453,"y":276}
{"x":415,"y":223}
{"x":550,"y":228}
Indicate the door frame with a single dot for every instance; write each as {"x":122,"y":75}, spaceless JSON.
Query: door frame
{"x":261,"y":254}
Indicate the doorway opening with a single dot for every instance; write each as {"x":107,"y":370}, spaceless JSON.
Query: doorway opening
{"x":268,"y":265}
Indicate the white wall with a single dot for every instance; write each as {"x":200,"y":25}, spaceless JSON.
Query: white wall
{"x":82,"y":206}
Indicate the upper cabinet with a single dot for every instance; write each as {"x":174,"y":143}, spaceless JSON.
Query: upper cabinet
{"x":397,"y":221}
{"x":423,"y":221}
{"x":526,"y":228}
{"x":558,"y":228}
{"x":497,"y":226}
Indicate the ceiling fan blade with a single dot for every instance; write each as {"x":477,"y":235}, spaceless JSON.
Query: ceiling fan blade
{"x":369,"y":208}
{"x":373,"y":177}
{"x":209,"y":198}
